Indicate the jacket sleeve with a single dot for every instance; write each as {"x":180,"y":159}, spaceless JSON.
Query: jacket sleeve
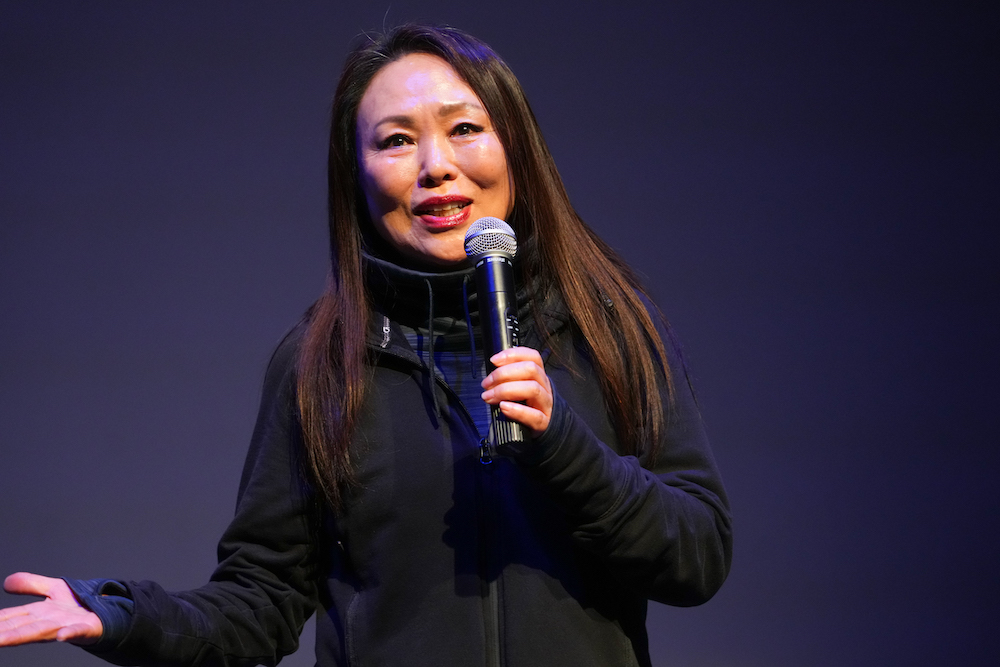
{"x":664,"y":532}
{"x":263,"y":590}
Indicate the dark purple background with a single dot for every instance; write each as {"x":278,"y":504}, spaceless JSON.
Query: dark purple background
{"x":810,"y":191}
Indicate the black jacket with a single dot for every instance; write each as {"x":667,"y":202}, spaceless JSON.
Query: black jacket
{"x":439,"y":559}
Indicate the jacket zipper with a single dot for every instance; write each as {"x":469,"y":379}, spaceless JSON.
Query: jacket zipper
{"x":489,"y":545}
{"x":491,"y":568}
{"x":487,"y":507}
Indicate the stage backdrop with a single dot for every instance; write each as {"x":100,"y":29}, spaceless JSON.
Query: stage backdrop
{"x":808,"y":189}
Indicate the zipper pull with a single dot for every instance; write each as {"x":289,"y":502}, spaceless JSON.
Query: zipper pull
{"x":385,"y":332}
{"x":485,"y":456}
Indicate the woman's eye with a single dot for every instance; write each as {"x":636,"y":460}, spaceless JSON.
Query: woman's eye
{"x":466,"y":128}
{"x":394,"y":141}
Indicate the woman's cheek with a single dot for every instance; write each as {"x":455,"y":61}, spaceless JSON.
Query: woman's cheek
{"x":485,"y":164}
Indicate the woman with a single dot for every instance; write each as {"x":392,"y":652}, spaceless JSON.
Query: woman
{"x":368,"y":493}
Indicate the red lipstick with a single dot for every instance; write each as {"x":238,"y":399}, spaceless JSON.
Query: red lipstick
{"x":444,"y":212}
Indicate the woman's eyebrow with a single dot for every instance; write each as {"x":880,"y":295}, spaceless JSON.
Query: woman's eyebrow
{"x":455,"y":107}
{"x":403,"y":120}
{"x":445,"y":110}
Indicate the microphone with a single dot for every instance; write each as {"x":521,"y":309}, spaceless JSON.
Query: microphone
{"x":491,"y":245}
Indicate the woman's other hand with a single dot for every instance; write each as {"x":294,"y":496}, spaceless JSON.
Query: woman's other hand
{"x":59,"y":617}
{"x":521,"y":388}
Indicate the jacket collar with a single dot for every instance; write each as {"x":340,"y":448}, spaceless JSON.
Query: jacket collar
{"x":408,"y":296}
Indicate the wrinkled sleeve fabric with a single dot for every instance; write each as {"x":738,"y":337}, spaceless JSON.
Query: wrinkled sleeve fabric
{"x":109,"y":600}
{"x":665,"y":532}
{"x":264,"y":588}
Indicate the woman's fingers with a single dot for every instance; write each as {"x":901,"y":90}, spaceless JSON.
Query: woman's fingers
{"x":529,"y":391}
{"x":25,"y":583}
{"x":520,"y":387}
{"x":78,"y":633}
{"x":516,"y":354}
{"x":517,"y":363}
{"x":57,"y":618}
{"x":26,"y":627}
{"x":48,"y":621}
{"x":535,"y":420}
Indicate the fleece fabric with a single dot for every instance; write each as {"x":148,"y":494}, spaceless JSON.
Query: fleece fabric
{"x":443,"y":556}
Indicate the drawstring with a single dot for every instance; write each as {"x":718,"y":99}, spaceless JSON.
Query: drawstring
{"x":430,"y":345}
{"x":468,"y":325}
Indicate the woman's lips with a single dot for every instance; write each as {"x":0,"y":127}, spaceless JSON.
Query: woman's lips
{"x":443,"y":212}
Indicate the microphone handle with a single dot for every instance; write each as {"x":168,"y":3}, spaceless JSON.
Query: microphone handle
{"x":498,"y":322}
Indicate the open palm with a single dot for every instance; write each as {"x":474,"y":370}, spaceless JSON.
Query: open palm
{"x":59,"y":617}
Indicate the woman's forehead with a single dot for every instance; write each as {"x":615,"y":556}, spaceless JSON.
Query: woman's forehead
{"x":415,"y":83}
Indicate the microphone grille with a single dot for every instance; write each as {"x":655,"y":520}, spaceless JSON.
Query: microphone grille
{"x":489,"y":234}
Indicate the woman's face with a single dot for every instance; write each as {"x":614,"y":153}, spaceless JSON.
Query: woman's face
{"x":431,"y":162}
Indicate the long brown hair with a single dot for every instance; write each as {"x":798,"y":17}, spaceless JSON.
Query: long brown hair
{"x":555,"y":247}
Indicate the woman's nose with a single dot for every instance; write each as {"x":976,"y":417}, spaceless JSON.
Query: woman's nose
{"x":437,"y":163}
